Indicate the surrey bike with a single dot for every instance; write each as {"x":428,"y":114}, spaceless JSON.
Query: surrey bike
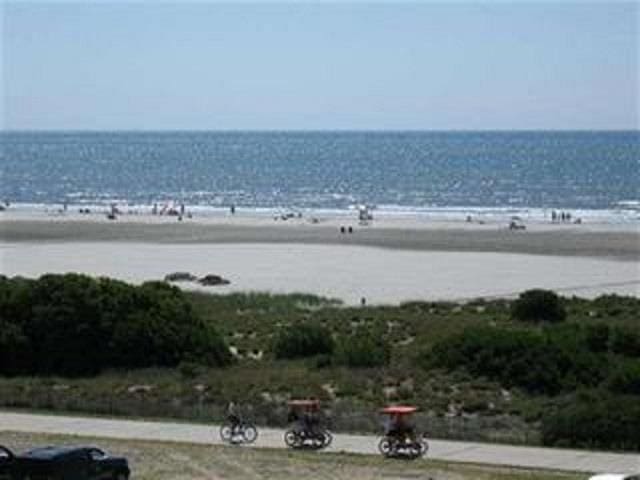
{"x":307,"y":429}
{"x":400,"y":439}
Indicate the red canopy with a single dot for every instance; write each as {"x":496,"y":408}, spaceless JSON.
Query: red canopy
{"x":304,"y":403}
{"x":399,"y":409}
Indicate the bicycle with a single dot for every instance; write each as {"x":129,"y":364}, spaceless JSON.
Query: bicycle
{"x":243,"y":432}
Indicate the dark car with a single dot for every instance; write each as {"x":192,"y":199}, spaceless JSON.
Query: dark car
{"x":7,"y":464}
{"x":65,"y":463}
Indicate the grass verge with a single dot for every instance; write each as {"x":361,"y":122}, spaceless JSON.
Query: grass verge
{"x":180,"y":461}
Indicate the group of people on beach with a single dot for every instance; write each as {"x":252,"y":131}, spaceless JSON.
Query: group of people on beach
{"x":563,"y":217}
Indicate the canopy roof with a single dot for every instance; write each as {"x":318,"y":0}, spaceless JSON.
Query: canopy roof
{"x":399,"y":409}
{"x":305,"y":403}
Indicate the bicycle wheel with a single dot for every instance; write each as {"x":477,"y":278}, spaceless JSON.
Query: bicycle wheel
{"x":226,"y":433}
{"x":385,"y":446}
{"x":328,"y":438}
{"x":425,"y":445}
{"x":414,"y":450}
{"x":249,"y":433}
{"x":291,"y":439}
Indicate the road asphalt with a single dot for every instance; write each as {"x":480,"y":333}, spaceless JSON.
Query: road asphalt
{"x":445,"y":450}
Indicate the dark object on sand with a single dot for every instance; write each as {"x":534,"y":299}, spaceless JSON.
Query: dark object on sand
{"x":350,"y":229}
{"x":213,"y":280}
{"x":516,"y":223}
{"x":180,"y":277}
{"x":342,"y":230}
{"x":111,"y":216}
{"x":63,"y":462}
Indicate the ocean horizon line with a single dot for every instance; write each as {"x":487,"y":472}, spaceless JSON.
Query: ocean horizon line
{"x":317,"y":130}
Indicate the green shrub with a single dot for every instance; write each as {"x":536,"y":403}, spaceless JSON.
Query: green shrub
{"x":617,"y":306}
{"x":77,"y":325}
{"x":303,"y":340}
{"x":538,"y":306}
{"x":363,"y":349}
{"x":594,"y":420}
{"x":597,"y":337}
{"x":625,"y":378}
{"x":513,"y":357}
{"x":543,"y":362}
{"x":625,"y":341}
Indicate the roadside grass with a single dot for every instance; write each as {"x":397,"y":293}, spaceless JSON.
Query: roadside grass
{"x":180,"y":461}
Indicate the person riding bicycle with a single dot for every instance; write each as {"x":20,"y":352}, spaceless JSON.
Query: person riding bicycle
{"x":233,"y":416}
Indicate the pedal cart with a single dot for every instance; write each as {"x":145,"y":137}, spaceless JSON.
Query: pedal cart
{"x":400,"y":439}
{"x":307,"y":430}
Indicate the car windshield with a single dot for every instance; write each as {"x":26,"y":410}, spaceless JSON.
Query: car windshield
{"x":96,"y":454}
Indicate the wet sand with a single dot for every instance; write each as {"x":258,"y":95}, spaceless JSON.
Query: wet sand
{"x":611,"y":242}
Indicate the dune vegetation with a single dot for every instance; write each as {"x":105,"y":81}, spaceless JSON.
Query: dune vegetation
{"x":528,"y":370}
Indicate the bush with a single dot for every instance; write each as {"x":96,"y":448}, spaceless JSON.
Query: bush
{"x":303,"y":340}
{"x":512,"y":357}
{"x":617,"y":306}
{"x":625,"y":341}
{"x":625,"y":378}
{"x":595,"y":420}
{"x":543,"y":362}
{"x":76,"y":325}
{"x":538,"y":306}
{"x":363,"y":349}
{"x":597,"y":337}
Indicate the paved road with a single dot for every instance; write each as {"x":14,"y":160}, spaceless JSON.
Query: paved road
{"x":528,"y":457}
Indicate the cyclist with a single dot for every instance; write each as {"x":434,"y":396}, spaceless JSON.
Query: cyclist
{"x":233,"y":417}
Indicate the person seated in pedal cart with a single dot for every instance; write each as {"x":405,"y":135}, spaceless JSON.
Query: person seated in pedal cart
{"x":307,"y":430}
{"x":400,"y":438}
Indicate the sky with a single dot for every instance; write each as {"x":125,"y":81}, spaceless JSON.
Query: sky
{"x":316,"y":66}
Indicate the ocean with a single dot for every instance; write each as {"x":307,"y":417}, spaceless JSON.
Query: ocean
{"x":395,"y":171}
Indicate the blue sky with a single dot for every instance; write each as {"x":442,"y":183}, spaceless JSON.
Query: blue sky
{"x":479,"y":65}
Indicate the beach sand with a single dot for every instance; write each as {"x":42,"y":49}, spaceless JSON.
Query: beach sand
{"x":621,"y":241}
{"x":387,"y":263}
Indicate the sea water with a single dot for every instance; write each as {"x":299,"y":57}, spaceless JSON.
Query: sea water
{"x":398,"y":172}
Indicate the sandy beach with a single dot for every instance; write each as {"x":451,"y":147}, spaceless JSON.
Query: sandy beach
{"x":603,"y":240}
{"x":391,"y":261}
{"x":349,"y":273}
